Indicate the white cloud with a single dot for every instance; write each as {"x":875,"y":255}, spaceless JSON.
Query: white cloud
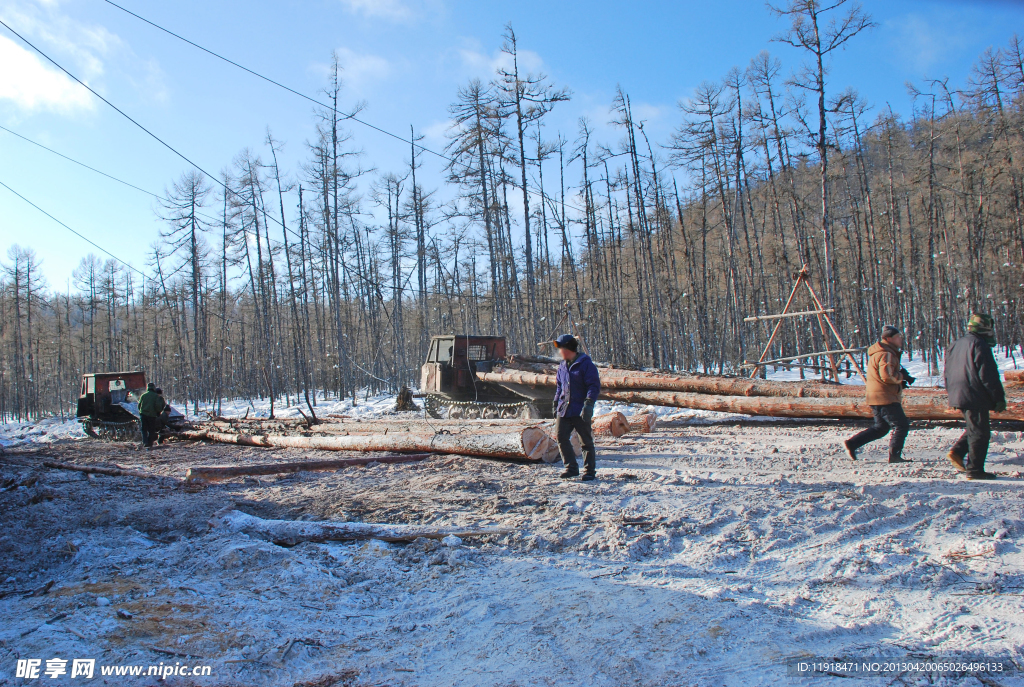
{"x":435,"y":134}
{"x":32,"y":86}
{"x":923,"y":43}
{"x":359,"y":71}
{"x":485,"y":66}
{"x":394,"y":10}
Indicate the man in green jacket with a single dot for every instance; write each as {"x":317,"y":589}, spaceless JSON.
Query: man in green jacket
{"x":150,"y":406}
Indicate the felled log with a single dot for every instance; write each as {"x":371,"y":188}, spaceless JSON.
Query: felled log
{"x":421,"y":426}
{"x":218,"y":473}
{"x":916,"y":407}
{"x":1014,"y":375}
{"x":530,"y":443}
{"x":613,"y":424}
{"x":641,"y":423}
{"x":96,"y":470}
{"x":628,"y":380}
{"x":291,"y":532}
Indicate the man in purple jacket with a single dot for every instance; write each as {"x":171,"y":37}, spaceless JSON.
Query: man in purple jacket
{"x":577,"y":386}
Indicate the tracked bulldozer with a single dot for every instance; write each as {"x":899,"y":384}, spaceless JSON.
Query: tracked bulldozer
{"x":452,"y":390}
{"x":108,"y":406}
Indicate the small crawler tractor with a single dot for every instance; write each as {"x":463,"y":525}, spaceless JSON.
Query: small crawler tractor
{"x":108,"y":406}
{"x":448,"y":379}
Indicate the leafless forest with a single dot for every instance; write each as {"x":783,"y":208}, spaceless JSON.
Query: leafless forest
{"x":330,"y":278}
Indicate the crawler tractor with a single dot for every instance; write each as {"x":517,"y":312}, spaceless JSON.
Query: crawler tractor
{"x":448,"y":379}
{"x":108,"y":405}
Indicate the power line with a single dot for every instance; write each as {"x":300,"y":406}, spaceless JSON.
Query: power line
{"x":215,"y":219}
{"x":81,"y":236}
{"x":216,"y":180}
{"x":81,"y":164}
{"x":543,"y":196}
{"x":101,"y":172}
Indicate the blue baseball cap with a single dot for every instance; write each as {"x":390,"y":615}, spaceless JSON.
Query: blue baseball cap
{"x":567,"y":341}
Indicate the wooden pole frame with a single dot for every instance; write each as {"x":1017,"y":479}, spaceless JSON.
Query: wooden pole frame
{"x":823,"y":315}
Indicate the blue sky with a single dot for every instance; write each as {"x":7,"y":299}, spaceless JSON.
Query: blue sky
{"x":404,"y":58}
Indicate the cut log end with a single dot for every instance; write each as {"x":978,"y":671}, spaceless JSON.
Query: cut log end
{"x":642,"y":423}
{"x":611,"y":424}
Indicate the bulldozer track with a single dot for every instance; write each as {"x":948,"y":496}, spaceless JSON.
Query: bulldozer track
{"x":441,"y":408}
{"x":112,"y":431}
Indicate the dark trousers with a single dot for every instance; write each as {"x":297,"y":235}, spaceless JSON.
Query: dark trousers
{"x":886,"y":418}
{"x":974,"y":441}
{"x":563,"y":430}
{"x":150,"y":429}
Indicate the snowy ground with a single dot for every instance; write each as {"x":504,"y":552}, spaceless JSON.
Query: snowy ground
{"x":707,"y":553}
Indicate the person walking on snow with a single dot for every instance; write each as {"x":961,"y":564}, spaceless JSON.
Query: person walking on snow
{"x":151,"y":404}
{"x":885,"y":382}
{"x":577,"y":386}
{"x":974,"y":388}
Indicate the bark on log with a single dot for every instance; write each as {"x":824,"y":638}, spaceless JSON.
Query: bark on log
{"x":917,"y":408}
{"x":530,"y":443}
{"x":627,"y":380}
{"x":291,"y":532}
{"x":1014,"y":375}
{"x":613,"y":424}
{"x":217,"y":473}
{"x":95,"y":470}
{"x":642,"y":423}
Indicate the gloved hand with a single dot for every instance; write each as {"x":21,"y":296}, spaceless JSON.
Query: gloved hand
{"x":907,"y":378}
{"x":554,"y":407}
{"x":588,"y":410}
{"x":1000,"y":406}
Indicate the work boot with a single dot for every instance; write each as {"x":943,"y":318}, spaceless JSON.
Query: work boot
{"x":898,"y":459}
{"x":981,"y":475}
{"x":589,"y":477}
{"x":570,"y":473}
{"x":850,"y":451}
{"x":957,"y":461}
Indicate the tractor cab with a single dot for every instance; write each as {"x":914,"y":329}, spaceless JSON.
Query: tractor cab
{"x":453,"y":361}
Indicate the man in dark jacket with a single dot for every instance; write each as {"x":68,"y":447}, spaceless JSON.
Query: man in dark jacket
{"x":974,"y":387}
{"x":884,"y":385}
{"x":151,"y":404}
{"x":577,"y":386}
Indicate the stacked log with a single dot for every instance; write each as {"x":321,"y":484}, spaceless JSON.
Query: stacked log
{"x":623,"y":380}
{"x":916,"y":407}
{"x":529,"y":443}
{"x":612,"y":424}
{"x":1014,"y":375}
{"x":751,"y":396}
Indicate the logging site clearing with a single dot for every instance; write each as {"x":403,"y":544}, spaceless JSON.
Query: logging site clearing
{"x":713,"y":549}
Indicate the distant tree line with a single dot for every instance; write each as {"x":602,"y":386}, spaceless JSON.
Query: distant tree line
{"x":330,"y":279}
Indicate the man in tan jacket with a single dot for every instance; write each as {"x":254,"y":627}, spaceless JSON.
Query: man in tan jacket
{"x":886,"y":380}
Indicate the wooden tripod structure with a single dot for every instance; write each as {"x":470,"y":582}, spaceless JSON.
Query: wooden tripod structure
{"x":822,"y":313}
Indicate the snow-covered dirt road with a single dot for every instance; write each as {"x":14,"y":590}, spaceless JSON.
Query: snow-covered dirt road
{"x":708,"y":553}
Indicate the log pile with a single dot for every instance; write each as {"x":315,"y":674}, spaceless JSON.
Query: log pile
{"x":805,"y":399}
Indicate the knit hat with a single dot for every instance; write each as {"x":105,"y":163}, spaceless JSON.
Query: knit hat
{"x":151,"y":387}
{"x":983,"y":326}
{"x":889,"y":331}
